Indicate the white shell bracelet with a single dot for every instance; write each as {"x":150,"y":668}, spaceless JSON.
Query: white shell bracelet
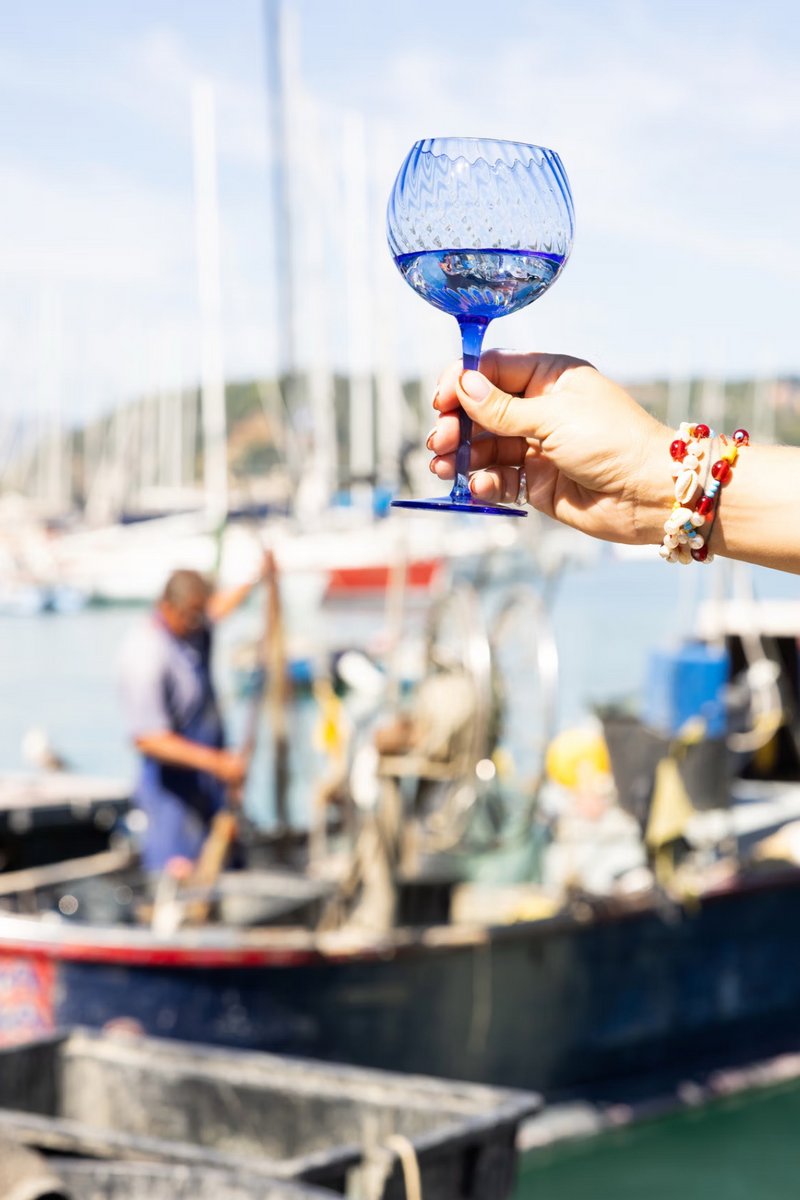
{"x":682,"y":528}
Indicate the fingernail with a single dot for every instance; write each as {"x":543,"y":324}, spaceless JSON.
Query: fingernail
{"x":435,"y":396}
{"x":476,"y":386}
{"x":430,"y":438}
{"x":432,"y":465}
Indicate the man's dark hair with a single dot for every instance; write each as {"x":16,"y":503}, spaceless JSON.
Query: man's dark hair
{"x":185,"y":585}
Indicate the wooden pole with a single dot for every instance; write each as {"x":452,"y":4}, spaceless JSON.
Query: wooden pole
{"x":72,"y":869}
{"x":278,"y":697}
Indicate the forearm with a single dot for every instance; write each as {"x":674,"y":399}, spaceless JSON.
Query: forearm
{"x":759,"y":510}
{"x":758,"y":514}
{"x":174,"y":750}
{"x":222,"y":603}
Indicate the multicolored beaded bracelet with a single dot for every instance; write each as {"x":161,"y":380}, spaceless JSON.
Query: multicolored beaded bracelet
{"x":682,"y":538}
{"x":681,"y":530}
{"x":708,"y":504}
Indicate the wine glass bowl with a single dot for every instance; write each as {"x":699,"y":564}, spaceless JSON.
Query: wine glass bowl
{"x":479,"y":229}
{"x":477,"y":283}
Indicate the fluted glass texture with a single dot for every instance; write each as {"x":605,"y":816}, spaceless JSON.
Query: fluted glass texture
{"x":470,"y":193}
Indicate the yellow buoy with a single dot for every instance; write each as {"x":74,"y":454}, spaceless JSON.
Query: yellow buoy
{"x":576,"y":756}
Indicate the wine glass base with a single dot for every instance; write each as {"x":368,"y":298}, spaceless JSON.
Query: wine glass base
{"x":444,"y":503}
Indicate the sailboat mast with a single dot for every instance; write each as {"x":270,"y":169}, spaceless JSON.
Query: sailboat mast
{"x":50,"y":481}
{"x":212,"y":377}
{"x":277,"y":85}
{"x":359,"y":306}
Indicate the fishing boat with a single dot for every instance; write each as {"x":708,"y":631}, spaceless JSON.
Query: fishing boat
{"x":378,"y":937}
{"x":568,"y":997}
{"x":567,"y":1003}
{"x":48,"y":816}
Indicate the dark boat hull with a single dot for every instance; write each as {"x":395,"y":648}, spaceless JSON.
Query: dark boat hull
{"x":554,"y":1005}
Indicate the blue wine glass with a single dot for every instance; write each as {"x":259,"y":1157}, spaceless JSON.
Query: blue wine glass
{"x":480,"y":229}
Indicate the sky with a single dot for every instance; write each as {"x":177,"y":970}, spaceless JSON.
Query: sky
{"x":678,"y":124}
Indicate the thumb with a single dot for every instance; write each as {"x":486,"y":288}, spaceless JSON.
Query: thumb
{"x":496,"y":410}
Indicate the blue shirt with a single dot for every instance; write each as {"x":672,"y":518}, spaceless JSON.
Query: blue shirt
{"x":165,"y":686}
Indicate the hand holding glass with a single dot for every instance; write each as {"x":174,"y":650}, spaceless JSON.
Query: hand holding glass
{"x":479,"y":229}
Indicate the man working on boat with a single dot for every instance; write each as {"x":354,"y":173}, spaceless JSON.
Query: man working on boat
{"x":173,"y":717}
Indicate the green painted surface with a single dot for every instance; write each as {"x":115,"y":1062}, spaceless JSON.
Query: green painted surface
{"x":745,"y":1148}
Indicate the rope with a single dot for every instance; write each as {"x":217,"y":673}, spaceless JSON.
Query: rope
{"x":405,"y":1151}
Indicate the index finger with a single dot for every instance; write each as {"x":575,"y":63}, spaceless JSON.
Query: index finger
{"x":509,"y":370}
{"x":515,"y":372}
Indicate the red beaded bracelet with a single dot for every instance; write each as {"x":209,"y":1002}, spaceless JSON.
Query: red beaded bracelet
{"x":682,"y":538}
{"x":721,"y":472}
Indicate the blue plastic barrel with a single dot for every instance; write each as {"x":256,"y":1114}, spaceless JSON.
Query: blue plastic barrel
{"x":684,"y":683}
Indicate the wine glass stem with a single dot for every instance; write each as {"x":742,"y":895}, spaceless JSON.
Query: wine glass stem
{"x":472,"y":331}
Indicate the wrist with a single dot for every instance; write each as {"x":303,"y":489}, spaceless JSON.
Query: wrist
{"x":213,"y":761}
{"x":654,"y":490}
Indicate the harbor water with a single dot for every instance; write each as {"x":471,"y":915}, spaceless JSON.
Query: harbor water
{"x":743,"y":1148}
{"x":607,"y":614}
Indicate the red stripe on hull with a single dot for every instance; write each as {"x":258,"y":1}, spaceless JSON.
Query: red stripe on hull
{"x":419,"y":574}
